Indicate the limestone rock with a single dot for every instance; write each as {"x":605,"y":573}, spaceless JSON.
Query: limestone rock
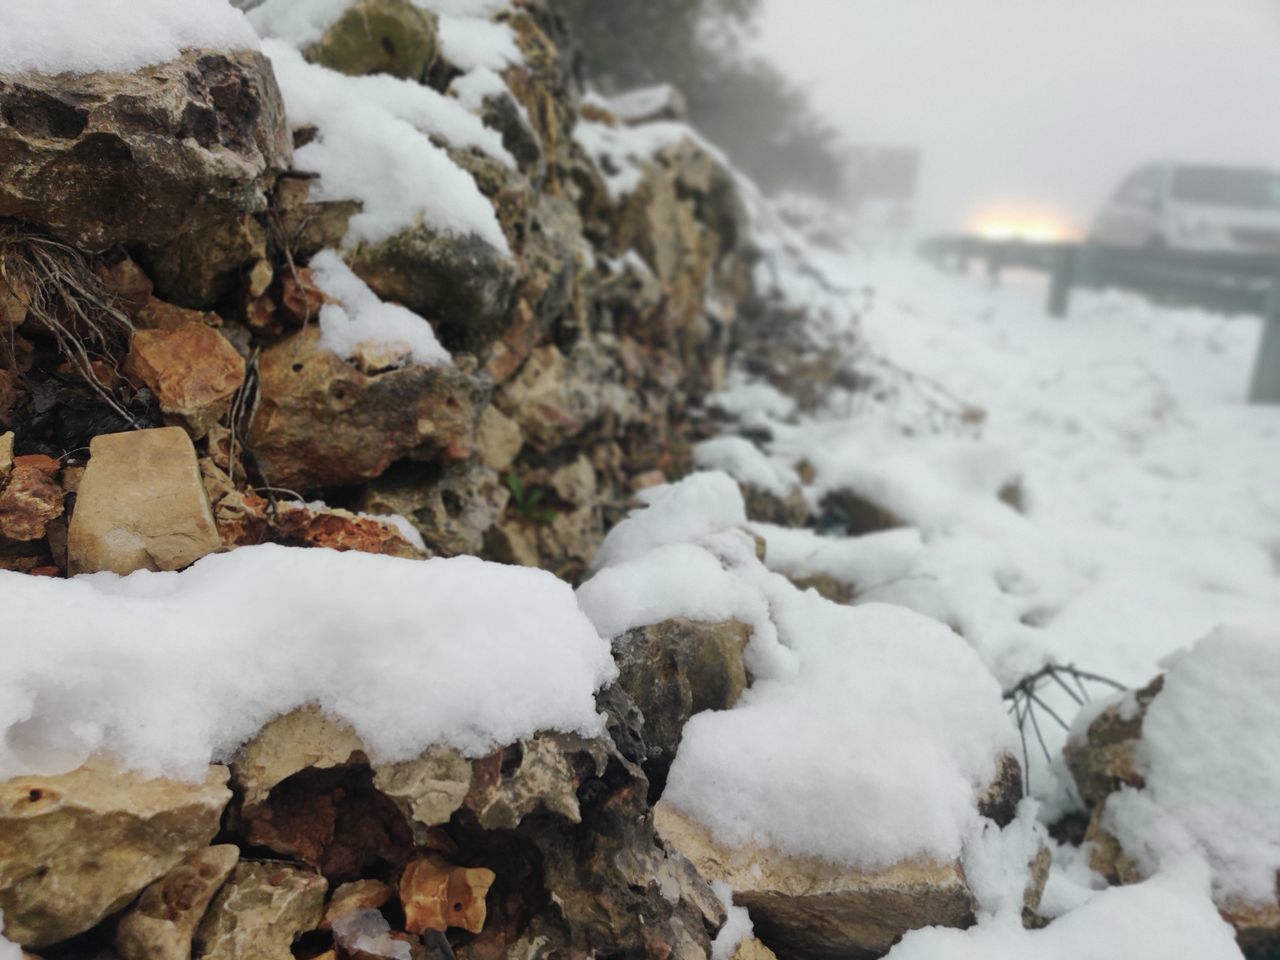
{"x":30,"y":497}
{"x":541,"y":774}
{"x":428,"y":789}
{"x":161,"y":925}
{"x":1105,"y":760}
{"x":308,"y":793}
{"x":350,"y":897}
{"x":260,"y":912}
{"x":193,"y":371}
{"x":195,"y":142}
{"x":77,"y":847}
{"x":701,"y":669}
{"x":452,"y":508}
{"x":302,"y":739}
{"x":810,"y":909}
{"x":498,"y":439}
{"x":540,"y":401}
{"x":750,"y":948}
{"x":378,"y":36}
{"x":461,"y":282}
{"x":141,"y":505}
{"x":321,"y":422}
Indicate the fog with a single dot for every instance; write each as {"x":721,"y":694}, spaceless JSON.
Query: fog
{"x":1037,"y":108}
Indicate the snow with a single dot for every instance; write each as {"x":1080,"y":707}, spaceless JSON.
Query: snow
{"x":622,"y":153}
{"x":737,"y":925}
{"x":473,"y":88}
{"x":471,"y":43}
{"x":744,"y":399}
{"x":645,"y":103}
{"x":743,"y":461}
{"x":297,"y":22}
{"x":374,"y":146}
{"x":1210,"y":756}
{"x":919,"y":718}
{"x":1167,"y":916}
{"x":1149,"y":514}
{"x":167,"y":671}
{"x":700,"y":505}
{"x":359,"y":316}
{"x":56,"y":36}
{"x":867,"y":563}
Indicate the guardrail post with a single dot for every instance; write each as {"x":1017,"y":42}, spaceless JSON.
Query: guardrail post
{"x":1266,"y":369}
{"x":1064,"y":276}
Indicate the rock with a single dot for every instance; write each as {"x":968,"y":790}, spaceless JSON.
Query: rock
{"x":260,"y":912}
{"x":833,"y":588}
{"x":308,"y":794}
{"x":438,"y":895}
{"x":30,"y":497}
{"x":378,"y":36}
{"x":308,"y":226}
{"x":77,"y":847}
{"x":366,"y":935}
{"x":197,"y":141}
{"x":320,"y":422}
{"x":459,"y":282}
{"x":765,"y":506}
{"x":353,"y":897}
{"x":540,"y":401}
{"x":805,"y":907}
{"x":311,"y":526}
{"x":141,"y":505}
{"x":750,"y":948}
{"x":701,"y":668}
{"x":193,"y":372}
{"x":855,"y":514}
{"x":156,"y":314}
{"x":999,"y":802}
{"x":300,"y":298}
{"x":498,"y":439}
{"x":303,"y":739}
{"x":452,"y":509}
{"x":1105,"y":760}
{"x":162,"y":924}
{"x":539,"y":775}
{"x":129,"y":286}
{"x":429,"y":789}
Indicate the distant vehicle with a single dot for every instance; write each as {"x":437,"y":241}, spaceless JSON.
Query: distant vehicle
{"x":1194,"y":207}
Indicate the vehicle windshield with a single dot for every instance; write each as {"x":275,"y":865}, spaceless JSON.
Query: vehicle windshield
{"x":1227,"y":187}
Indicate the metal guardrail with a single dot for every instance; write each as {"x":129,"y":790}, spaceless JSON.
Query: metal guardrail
{"x":1212,"y":280}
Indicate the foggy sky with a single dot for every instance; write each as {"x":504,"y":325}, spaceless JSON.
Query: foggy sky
{"x":1040,"y":104}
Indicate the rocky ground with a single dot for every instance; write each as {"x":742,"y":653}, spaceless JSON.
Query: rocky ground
{"x":314,"y":328}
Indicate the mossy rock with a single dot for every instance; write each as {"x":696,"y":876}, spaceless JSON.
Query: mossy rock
{"x":379,"y":36}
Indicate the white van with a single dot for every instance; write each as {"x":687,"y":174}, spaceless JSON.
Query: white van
{"x":1194,"y":207}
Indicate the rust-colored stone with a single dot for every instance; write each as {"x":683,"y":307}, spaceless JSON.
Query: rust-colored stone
{"x":130,"y":288}
{"x":31,"y":498}
{"x":300,"y":298}
{"x":160,"y":315}
{"x":438,"y":895}
{"x":193,"y":371}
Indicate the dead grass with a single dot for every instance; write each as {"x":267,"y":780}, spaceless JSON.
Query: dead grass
{"x":66,"y":299}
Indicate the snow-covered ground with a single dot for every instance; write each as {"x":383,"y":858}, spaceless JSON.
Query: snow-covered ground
{"x":1149,"y":510}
